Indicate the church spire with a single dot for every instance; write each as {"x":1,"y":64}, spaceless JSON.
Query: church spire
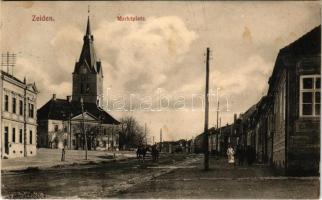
{"x":88,"y":57}
{"x":88,"y":28}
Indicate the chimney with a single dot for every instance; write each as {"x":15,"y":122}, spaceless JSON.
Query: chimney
{"x":69,"y":98}
{"x":235,"y":117}
{"x":54,"y":96}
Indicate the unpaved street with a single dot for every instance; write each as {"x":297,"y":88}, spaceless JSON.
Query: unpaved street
{"x":174,"y":176}
{"x":86,"y":181}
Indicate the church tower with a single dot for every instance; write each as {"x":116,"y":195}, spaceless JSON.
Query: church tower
{"x":88,"y":74}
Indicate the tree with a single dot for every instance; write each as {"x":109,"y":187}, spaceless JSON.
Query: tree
{"x":133,"y":133}
{"x":57,"y":138}
{"x":92,"y":133}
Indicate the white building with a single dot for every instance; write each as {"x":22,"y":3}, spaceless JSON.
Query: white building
{"x":18,"y":117}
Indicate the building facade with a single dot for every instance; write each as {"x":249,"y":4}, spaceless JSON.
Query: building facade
{"x":18,"y":117}
{"x":61,"y":125}
{"x":295,"y":88}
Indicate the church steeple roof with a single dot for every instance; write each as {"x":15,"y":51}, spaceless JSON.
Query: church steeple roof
{"x":88,"y":28}
{"x":88,"y":57}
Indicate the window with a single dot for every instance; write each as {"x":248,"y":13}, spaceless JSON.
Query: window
{"x":6,"y":103}
{"x":30,"y":137}
{"x":20,"y":107}
{"x":56,"y":127}
{"x":31,"y":110}
{"x":14,"y":104}
{"x":20,"y":136}
{"x":13,"y":134}
{"x":310,"y":87}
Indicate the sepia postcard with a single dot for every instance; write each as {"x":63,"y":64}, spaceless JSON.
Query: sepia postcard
{"x":160,"y":99}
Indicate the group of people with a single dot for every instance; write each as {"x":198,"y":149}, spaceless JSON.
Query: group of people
{"x":242,"y":154}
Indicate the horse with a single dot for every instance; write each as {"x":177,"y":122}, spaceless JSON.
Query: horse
{"x":141,"y":152}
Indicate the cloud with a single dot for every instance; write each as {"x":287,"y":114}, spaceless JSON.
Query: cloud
{"x":145,"y":52}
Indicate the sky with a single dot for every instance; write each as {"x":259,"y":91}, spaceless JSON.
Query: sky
{"x":154,"y":69}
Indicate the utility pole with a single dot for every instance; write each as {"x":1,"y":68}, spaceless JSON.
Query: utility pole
{"x":70,"y":130}
{"x":205,"y":135}
{"x":219,"y":133}
{"x":217,"y":126}
{"x":153,"y":140}
{"x":146,"y":141}
{"x":82,"y":105}
{"x":8,"y":60}
{"x":25,"y":119}
{"x":160,"y":139}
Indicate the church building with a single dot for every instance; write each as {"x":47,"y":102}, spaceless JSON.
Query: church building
{"x":61,"y":122}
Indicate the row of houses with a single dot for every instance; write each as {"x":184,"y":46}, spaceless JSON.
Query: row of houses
{"x":283,"y":128}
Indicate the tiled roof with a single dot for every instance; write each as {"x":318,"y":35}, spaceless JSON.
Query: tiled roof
{"x":59,"y":109}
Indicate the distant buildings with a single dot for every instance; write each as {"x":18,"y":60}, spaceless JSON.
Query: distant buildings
{"x":61,"y":120}
{"x":18,"y":117}
{"x":283,"y":128}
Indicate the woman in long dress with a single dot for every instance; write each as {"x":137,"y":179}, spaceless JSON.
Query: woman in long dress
{"x":230,"y":154}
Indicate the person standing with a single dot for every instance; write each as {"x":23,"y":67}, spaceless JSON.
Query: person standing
{"x":63,"y":154}
{"x":230,"y":154}
{"x":240,"y":155}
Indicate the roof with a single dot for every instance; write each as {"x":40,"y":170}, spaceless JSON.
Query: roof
{"x":307,"y":45}
{"x":249,"y":112}
{"x":87,"y":57}
{"x":59,"y":109}
{"x":30,"y":86}
{"x":12,"y":77}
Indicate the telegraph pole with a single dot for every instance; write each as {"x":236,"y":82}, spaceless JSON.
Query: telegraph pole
{"x":219,"y":133}
{"x":205,"y":135}
{"x":217,"y":125}
{"x":8,"y":60}
{"x":160,"y":139}
{"x":82,"y":104}
{"x":146,"y":141}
